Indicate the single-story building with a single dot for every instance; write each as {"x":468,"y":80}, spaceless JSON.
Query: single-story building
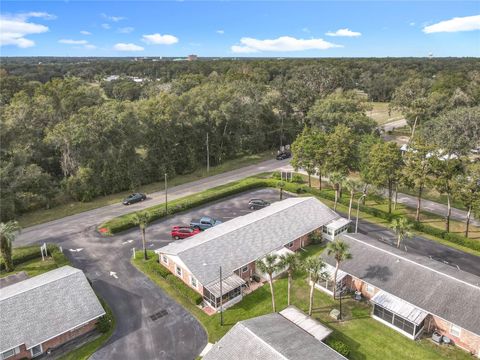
{"x":410,"y":293}
{"x":237,"y":244}
{"x":289,"y":335}
{"x":46,"y":311}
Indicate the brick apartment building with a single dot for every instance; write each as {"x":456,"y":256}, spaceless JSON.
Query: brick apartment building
{"x":46,"y":311}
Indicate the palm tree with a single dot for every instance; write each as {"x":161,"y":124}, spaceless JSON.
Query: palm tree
{"x":142,"y":219}
{"x":8,"y":232}
{"x":314,"y":266}
{"x":402,"y":228}
{"x":339,"y":250}
{"x":268,"y":266}
{"x":352,"y":187}
{"x":281,"y":185}
{"x":336,"y":179}
{"x":291,"y":262}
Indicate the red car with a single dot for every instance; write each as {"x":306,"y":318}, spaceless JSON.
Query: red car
{"x":182,"y":232}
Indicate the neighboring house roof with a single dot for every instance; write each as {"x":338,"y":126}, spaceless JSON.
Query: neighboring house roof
{"x":432,"y":286}
{"x":40,"y":308}
{"x":247,"y":238}
{"x":270,"y":337}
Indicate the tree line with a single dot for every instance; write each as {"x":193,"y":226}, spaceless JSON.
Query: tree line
{"x":67,"y":133}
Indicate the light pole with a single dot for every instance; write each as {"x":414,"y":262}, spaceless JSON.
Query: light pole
{"x":166,"y":196}
{"x":358,"y":210}
{"x":221,"y":298}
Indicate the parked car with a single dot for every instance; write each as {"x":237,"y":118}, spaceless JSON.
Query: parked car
{"x":204,"y":223}
{"x":183,"y":232}
{"x":134,"y":198}
{"x":255,"y":204}
{"x":283,"y":155}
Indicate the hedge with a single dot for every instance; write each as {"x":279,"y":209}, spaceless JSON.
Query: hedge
{"x":27,"y":253}
{"x":184,"y":290}
{"x":339,"y":346}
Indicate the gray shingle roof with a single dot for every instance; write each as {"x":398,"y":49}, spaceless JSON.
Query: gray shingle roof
{"x":247,"y":238}
{"x":270,"y":337}
{"x":40,"y":308}
{"x":437,"y":288}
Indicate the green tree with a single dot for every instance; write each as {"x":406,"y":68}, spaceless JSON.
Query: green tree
{"x":417,"y":169}
{"x":8,"y":232}
{"x":314,"y":267}
{"x":291,"y":262}
{"x":384,"y":169}
{"x":142,"y":219}
{"x":320,"y":139}
{"x":336,"y":179}
{"x":340,"y":156}
{"x":269,"y":265}
{"x":340,"y":252}
{"x":304,"y":153}
{"x":402,"y":228}
{"x":281,"y":186}
{"x":467,"y":189}
{"x":352,"y":187}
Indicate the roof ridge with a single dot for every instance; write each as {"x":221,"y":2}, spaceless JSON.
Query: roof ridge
{"x":22,"y":291}
{"x":303,"y":198}
{"x":416,"y":263}
{"x":241,"y":323}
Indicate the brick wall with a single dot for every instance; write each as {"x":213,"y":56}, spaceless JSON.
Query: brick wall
{"x":57,"y":341}
{"x":358,"y":285}
{"x":247,"y":274}
{"x":467,"y":340}
{"x":185,"y":274}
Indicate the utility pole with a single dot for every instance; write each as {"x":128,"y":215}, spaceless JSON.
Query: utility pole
{"x":221,"y":298}
{"x":208,"y":156}
{"x":166,"y":197}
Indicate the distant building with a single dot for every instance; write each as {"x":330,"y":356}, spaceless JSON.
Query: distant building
{"x":192,"y":57}
{"x":43,"y":312}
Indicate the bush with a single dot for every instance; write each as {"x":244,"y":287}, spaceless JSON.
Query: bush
{"x":276,"y":175}
{"x":296,"y":178}
{"x":153,"y":266}
{"x":27,"y":253}
{"x":339,"y":346}
{"x":104,"y":323}
{"x":184,"y":290}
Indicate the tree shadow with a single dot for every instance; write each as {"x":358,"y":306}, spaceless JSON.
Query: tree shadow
{"x":382,"y":273}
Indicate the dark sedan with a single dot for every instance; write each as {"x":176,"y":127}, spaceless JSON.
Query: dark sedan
{"x":283,"y":155}
{"x":255,"y":204}
{"x":134,"y":198}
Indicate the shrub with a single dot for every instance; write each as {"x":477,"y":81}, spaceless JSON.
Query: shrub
{"x":276,"y":175}
{"x":296,"y":178}
{"x":23,"y":254}
{"x":104,"y":323}
{"x":339,"y":346}
{"x":184,"y":290}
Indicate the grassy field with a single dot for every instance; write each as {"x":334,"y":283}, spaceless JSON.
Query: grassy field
{"x":366,"y":337}
{"x":381,"y":114}
{"x":75,"y":207}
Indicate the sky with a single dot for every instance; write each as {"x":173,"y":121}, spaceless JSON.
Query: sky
{"x":240,"y":28}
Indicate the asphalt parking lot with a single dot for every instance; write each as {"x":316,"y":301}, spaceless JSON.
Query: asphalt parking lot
{"x":158,"y":233}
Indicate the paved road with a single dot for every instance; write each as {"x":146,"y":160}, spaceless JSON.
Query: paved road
{"x":394,"y":125}
{"x":75,"y":224}
{"x":426,"y":205}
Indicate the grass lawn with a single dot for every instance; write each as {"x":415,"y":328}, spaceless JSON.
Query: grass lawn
{"x":381,"y":114}
{"x":366,"y":337}
{"x":75,"y":207}
{"x":32,"y":267}
{"x":432,"y":195}
{"x":84,"y":352}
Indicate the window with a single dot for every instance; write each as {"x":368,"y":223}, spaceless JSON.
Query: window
{"x":244,"y":269}
{"x":178,"y":270}
{"x":370,"y":288}
{"x":165,"y":259}
{"x":455,"y":330}
{"x":290,"y":244}
{"x":193,"y":281}
{"x":36,"y":350}
{"x":10,"y":353}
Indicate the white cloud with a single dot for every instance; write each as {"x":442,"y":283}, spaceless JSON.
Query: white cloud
{"x":73,"y":42}
{"x":159,"y":39}
{"x":221,"y":32}
{"x":412,"y":23}
{"x":14,"y":29}
{"x":467,"y":23}
{"x":84,"y":32}
{"x":113,"y":18}
{"x":106,"y":26}
{"x":306,"y":30}
{"x":283,"y":43}
{"x":126,"y":30}
{"x":127,"y":47}
{"x":344,"y":32}
{"x":90,"y":46}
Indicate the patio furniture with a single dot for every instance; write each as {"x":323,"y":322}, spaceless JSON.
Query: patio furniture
{"x":437,"y":337}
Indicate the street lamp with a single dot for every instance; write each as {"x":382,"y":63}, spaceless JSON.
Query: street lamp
{"x":358,"y":210}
